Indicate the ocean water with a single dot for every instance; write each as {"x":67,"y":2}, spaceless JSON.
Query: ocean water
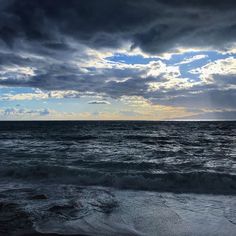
{"x":76,"y":177}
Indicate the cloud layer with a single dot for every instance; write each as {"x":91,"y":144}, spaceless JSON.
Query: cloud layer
{"x":153,"y":25}
{"x":64,"y":49}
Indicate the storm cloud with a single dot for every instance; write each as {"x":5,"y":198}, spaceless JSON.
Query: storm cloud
{"x":55,"y":45}
{"x":153,"y":25}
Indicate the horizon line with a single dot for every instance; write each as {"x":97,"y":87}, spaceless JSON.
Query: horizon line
{"x":184,"y":120}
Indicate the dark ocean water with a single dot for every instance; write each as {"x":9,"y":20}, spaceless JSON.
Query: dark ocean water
{"x":118,"y":178}
{"x":160,"y":156}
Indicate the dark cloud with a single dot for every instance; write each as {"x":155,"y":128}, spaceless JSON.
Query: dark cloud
{"x":204,"y":96}
{"x":99,"y":102}
{"x":8,"y":59}
{"x":51,"y":37}
{"x":153,"y":25}
{"x":224,"y":80}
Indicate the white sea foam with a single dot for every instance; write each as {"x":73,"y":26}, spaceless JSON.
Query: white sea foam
{"x":96,"y":211}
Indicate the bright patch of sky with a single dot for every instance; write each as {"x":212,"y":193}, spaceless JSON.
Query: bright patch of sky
{"x":131,"y":60}
{"x":33,"y":103}
{"x":185,"y":61}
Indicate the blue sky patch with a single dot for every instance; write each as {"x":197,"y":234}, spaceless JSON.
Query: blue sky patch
{"x":130,"y":60}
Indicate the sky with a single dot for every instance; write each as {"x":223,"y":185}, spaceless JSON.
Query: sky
{"x":117,"y":60}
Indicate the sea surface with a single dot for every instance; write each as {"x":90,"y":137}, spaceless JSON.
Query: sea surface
{"x":75,"y":177}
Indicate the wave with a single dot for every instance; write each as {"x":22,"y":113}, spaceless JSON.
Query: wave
{"x":150,"y":140}
{"x":196,"y":182}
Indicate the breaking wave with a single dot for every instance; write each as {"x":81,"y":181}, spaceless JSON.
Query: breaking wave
{"x":199,"y":182}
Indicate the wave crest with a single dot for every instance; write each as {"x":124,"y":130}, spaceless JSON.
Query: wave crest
{"x":199,"y":182}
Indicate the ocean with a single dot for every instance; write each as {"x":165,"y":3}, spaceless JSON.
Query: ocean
{"x":117,"y":178}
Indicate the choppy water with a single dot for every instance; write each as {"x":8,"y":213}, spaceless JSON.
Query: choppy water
{"x":83,"y":177}
{"x":161,"y":156}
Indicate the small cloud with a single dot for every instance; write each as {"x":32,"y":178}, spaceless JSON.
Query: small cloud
{"x":24,"y":112}
{"x":44,"y":112}
{"x":100,"y":102}
{"x":192,"y":59}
